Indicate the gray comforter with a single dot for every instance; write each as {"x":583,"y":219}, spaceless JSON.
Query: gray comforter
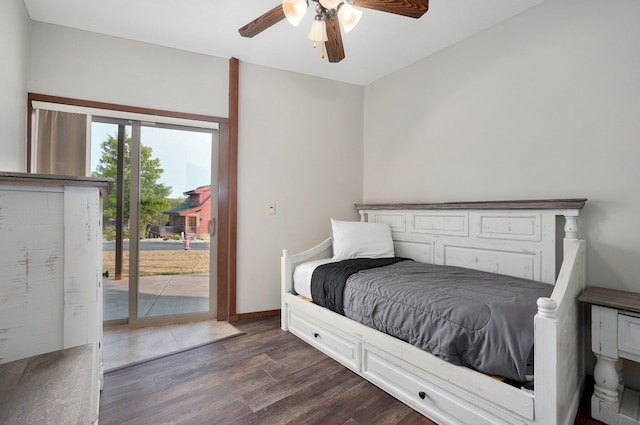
{"x":467,"y":317}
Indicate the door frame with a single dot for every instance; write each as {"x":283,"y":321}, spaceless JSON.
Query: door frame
{"x":227,"y":180}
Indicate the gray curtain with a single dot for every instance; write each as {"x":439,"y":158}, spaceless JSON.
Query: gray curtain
{"x":62,"y":143}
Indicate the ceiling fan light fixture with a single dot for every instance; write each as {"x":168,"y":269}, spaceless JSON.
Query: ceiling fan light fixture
{"x":348,"y":16}
{"x":330,"y":4}
{"x":318,"y":32}
{"x":294,"y":10}
{"x":332,"y":19}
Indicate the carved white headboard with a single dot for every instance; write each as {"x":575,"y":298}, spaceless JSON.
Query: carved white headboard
{"x":517,"y":238}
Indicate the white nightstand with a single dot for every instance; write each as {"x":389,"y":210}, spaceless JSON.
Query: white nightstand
{"x":615,"y":335}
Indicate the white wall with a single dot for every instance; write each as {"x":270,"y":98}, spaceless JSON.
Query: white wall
{"x":300,"y":147}
{"x":545,"y":105}
{"x":14,"y":48}
{"x":300,"y":138}
{"x":84,"y":65}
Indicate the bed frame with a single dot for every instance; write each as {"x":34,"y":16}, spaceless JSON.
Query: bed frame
{"x":521,"y":238}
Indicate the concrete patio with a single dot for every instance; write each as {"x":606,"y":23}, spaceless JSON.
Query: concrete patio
{"x":159,"y":295}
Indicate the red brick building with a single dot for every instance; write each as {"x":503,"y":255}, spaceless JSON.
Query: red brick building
{"x":192,"y":216}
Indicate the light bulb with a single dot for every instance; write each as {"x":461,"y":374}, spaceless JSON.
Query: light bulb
{"x":349,"y":16}
{"x":294,"y":10}
{"x":330,"y":4}
{"x":318,"y":31}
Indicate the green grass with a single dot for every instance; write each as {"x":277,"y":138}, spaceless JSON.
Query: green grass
{"x":154,"y":263}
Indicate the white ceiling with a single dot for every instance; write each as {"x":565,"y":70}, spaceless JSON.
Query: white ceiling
{"x":381,"y":43}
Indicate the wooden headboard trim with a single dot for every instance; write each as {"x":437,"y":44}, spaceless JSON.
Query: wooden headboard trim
{"x":542,"y":204}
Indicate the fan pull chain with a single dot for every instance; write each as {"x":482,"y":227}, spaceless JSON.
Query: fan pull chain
{"x":323,"y":50}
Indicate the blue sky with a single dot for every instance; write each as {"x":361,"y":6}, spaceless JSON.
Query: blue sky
{"x":185,"y":156}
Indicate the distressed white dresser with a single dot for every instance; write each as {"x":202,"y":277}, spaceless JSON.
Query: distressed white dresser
{"x":615,"y":335}
{"x":51,"y":267}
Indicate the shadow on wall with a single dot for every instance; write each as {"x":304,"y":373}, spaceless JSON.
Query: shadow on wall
{"x":606,"y":258}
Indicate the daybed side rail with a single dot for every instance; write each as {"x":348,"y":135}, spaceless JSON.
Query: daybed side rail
{"x":288,"y":262}
{"x":559,"y":357}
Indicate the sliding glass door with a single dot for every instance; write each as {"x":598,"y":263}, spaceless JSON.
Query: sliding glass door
{"x":176,"y":216}
{"x":165,"y":230}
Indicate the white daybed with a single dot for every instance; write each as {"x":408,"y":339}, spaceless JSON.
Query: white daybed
{"x":518,"y":238}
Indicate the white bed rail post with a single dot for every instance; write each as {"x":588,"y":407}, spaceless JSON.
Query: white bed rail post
{"x":570,"y":227}
{"x":546,"y":363}
{"x":559,"y":347}
{"x":286,"y":281}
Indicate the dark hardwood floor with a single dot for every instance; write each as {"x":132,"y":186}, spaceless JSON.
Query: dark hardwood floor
{"x":266,"y":376}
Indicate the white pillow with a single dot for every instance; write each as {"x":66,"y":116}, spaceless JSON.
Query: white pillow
{"x":358,"y":239}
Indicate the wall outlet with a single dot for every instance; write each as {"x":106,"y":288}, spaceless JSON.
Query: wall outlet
{"x":271,"y":209}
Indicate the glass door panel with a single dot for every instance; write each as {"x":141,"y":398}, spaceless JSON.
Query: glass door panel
{"x":175,"y":214}
{"x":109,"y":139}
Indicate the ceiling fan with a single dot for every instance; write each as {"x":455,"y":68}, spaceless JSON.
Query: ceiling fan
{"x":329,"y":15}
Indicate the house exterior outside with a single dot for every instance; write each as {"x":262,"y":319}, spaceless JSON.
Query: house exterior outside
{"x":190,"y":217}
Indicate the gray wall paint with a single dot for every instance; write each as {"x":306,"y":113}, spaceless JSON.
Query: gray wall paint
{"x":300,"y":138}
{"x":84,"y":65}
{"x":301,"y":148}
{"x":544,"y":105}
{"x":14,"y":49}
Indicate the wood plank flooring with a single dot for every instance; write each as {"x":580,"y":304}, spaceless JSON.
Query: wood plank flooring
{"x":266,"y":376}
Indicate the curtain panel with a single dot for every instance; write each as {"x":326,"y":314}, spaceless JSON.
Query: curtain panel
{"x":61,"y":145}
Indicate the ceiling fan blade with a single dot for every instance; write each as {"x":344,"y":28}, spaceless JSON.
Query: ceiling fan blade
{"x":410,"y":8}
{"x":263,"y":22}
{"x":335,"y":49}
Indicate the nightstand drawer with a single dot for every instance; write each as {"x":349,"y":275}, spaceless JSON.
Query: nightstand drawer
{"x":629,"y":337}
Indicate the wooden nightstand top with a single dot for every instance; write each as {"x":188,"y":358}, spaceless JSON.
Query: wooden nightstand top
{"x":621,"y":300}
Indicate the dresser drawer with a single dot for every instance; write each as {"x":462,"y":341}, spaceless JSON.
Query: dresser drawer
{"x":326,"y":339}
{"x":425,"y":393}
{"x":629,"y":337}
